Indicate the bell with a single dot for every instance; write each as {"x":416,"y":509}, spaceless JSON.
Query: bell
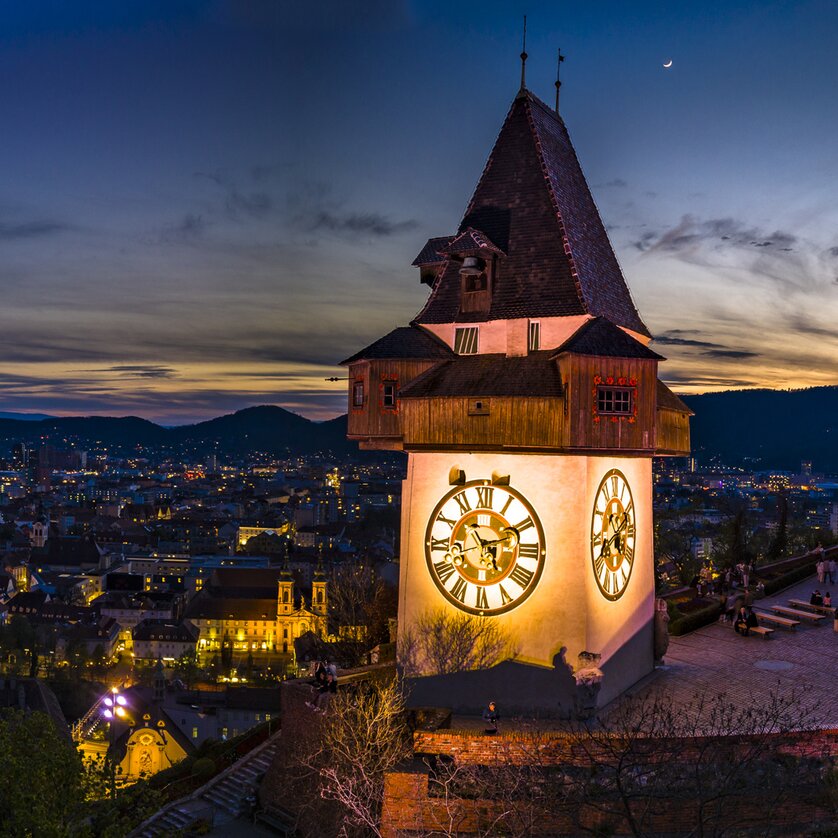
{"x":471,"y":266}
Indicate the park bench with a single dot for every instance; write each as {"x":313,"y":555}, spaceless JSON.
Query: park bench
{"x":827,"y":610}
{"x":762,"y":631}
{"x":795,"y":614}
{"x":777,"y":620}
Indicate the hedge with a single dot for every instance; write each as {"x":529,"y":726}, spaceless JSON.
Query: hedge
{"x":684,"y":623}
{"x":787,"y":579}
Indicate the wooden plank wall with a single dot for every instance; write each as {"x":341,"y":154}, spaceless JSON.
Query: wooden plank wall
{"x":578,"y":374}
{"x":506,"y":422}
{"x":372,"y":420}
{"x":673,"y":433}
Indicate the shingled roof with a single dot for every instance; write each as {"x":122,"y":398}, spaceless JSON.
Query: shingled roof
{"x":430,"y":253}
{"x":471,"y":241}
{"x":489,"y":375}
{"x":534,"y":204}
{"x":403,"y":343}
{"x":668,"y":399}
{"x":600,"y":336}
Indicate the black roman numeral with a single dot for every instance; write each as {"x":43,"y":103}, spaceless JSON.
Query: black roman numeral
{"x":443,"y":571}
{"x":521,"y":575}
{"x":439,"y":544}
{"x":445,"y":520}
{"x":482,"y":601}
{"x":599,"y":564}
{"x":463,"y":502}
{"x":524,"y":525}
{"x":504,"y":596}
{"x":506,"y":506}
{"x":459,"y":589}
{"x":614,"y":484}
{"x":484,"y":497}
{"x":628,"y":555}
{"x":529,"y":551}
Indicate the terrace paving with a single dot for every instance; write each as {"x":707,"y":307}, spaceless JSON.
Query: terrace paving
{"x":796,"y":666}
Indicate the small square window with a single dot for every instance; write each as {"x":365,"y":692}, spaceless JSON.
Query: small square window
{"x":466,"y":340}
{"x":388,"y":394}
{"x":358,"y":394}
{"x":534,"y":342}
{"x":615,"y":400}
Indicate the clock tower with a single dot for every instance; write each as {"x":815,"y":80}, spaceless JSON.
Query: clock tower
{"x":528,"y":402}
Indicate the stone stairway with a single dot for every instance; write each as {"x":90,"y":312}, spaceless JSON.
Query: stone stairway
{"x":224,"y":797}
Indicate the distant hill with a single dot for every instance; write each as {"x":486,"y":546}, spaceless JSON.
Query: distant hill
{"x":754,"y":428}
{"x":767,"y":428}
{"x":269,"y":429}
{"x":25,"y":417}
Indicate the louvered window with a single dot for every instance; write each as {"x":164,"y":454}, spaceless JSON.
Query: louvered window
{"x":465,"y":340}
{"x":534,"y":343}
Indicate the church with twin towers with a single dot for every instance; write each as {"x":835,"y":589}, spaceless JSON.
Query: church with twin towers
{"x":528,"y":402}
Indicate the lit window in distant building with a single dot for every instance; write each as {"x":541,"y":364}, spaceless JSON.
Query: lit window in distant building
{"x":615,"y":400}
{"x":465,"y":340}
{"x":194,"y":732}
{"x":534,"y":341}
{"x":358,"y":394}
{"x":388,"y":394}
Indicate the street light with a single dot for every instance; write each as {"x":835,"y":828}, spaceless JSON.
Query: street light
{"x":114,"y":708}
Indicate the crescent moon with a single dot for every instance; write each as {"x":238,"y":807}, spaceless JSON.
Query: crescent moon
{"x":668,"y":64}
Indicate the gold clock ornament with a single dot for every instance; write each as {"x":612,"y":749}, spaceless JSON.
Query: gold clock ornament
{"x":613,"y":535}
{"x":485,"y":547}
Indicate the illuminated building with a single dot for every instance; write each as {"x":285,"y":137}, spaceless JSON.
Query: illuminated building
{"x":527,"y":399}
{"x":257,"y":611}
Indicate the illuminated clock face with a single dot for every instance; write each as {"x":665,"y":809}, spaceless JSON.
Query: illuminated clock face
{"x":612,"y":535}
{"x":485,"y":548}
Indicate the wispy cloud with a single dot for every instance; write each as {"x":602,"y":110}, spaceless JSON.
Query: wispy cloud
{"x":139,"y":371}
{"x":239,"y":203}
{"x":691,"y":233}
{"x":368,"y":223}
{"x":190,"y":228}
{"x":12,"y":231}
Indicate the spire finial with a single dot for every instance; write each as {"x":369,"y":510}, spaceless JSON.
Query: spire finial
{"x":524,"y":57}
{"x":558,"y":74}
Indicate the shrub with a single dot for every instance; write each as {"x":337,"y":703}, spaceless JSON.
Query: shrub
{"x":684,"y":623}
{"x":203,"y":768}
{"x":789,"y":578}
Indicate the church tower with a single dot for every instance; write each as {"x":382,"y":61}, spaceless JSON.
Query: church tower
{"x":285,"y":592}
{"x":528,"y":402}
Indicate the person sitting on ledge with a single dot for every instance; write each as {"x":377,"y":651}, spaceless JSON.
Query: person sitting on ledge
{"x":827,"y":600}
{"x":490,"y":716}
{"x":816,"y":598}
{"x":741,"y":624}
{"x":751,"y":620}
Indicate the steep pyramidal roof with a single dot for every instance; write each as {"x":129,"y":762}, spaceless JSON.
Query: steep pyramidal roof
{"x":534,"y":204}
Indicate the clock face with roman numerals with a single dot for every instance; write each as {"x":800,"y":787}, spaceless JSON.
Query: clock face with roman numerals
{"x":612,"y":535}
{"x":485,"y":548}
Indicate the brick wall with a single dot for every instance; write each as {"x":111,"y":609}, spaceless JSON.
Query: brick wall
{"x":410,"y":809}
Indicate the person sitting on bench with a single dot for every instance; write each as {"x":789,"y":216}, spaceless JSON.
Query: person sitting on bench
{"x":741,"y":623}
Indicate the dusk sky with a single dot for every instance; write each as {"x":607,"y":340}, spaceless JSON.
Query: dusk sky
{"x":207,"y":205}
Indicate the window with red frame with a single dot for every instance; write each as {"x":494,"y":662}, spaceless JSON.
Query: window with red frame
{"x":617,"y":401}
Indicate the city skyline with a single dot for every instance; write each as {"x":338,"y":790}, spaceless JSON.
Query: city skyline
{"x":209,"y":207}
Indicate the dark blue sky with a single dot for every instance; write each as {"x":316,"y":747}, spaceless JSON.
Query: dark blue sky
{"x":205,"y":205}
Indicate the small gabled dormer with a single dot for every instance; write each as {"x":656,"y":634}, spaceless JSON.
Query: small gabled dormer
{"x":431,"y":260}
{"x":477,"y":257}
